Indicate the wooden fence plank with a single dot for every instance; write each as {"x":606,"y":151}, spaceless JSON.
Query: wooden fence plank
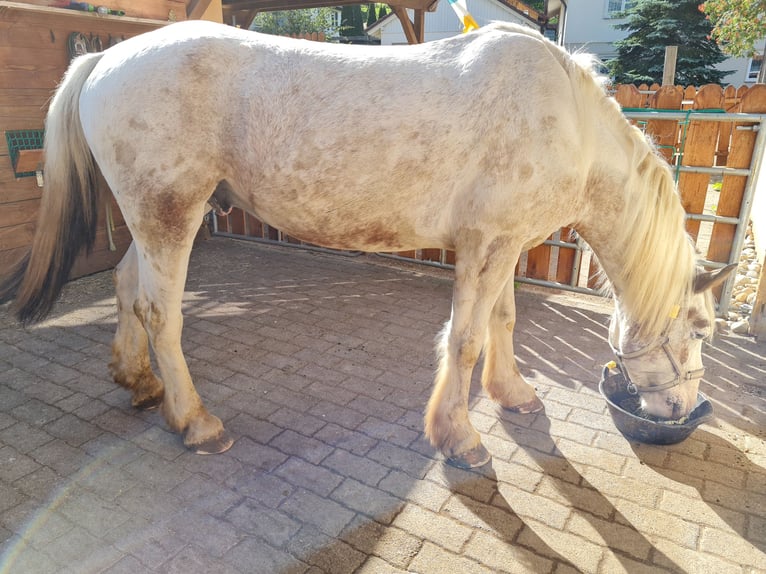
{"x":732,"y":190}
{"x":628,"y":96}
{"x":665,"y":132}
{"x":699,"y":150}
{"x":730,"y":105}
{"x":566,"y":258}
{"x":538,"y":262}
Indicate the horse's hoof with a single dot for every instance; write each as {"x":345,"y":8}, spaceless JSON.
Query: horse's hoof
{"x":216,"y":445}
{"x":476,"y":457}
{"x":147,"y":403}
{"x":533,"y":406}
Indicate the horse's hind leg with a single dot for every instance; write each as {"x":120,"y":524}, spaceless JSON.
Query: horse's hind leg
{"x":500,"y":376}
{"x":162,"y":275}
{"x":130,"y":366}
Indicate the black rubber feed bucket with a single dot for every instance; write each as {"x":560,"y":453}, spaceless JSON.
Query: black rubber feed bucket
{"x":622,"y":406}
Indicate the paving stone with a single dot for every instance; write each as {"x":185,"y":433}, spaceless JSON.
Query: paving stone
{"x":152,"y":545}
{"x":439,"y":529}
{"x":10,"y":497}
{"x":398,"y":458}
{"x":374,"y":565}
{"x":500,"y":556}
{"x":263,"y":522}
{"x":388,"y":432}
{"x":262,"y":456}
{"x":393,"y":545}
{"x":262,"y":487}
{"x":192,"y":559}
{"x":302,"y":423}
{"x":38,"y":483}
{"x":73,"y":430}
{"x":355,"y":443}
{"x":424,"y":493}
{"x":72,"y":546}
{"x":212,"y":535}
{"x":200,"y":493}
{"x":94,"y":513}
{"x":326,"y":515}
{"x":348,"y":464}
{"x":32,"y":560}
{"x":62,"y":458}
{"x":256,"y":556}
{"x":14,"y":465}
{"x":325,"y":553}
{"x":296,"y":444}
{"x":310,"y":476}
{"x":367,"y":500}
{"x":431,"y":558}
{"x":156,"y":473}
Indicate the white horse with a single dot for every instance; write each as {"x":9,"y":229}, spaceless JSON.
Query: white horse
{"x":484,"y":143}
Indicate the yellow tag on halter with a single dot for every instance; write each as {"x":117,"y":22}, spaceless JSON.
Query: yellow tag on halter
{"x":611,"y":365}
{"x":674,"y":311}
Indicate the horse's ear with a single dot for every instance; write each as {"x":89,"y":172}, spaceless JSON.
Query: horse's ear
{"x":709,"y":279}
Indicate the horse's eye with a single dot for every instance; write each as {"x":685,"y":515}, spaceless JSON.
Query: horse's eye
{"x":701,"y":331}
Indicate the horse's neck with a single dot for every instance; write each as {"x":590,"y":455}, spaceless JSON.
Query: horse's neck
{"x":635,"y":226}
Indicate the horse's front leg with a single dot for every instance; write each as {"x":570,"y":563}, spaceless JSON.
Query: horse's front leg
{"x":480,"y":274}
{"x":500,"y":376}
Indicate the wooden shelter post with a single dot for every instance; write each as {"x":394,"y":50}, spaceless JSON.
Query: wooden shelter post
{"x":414,"y":32}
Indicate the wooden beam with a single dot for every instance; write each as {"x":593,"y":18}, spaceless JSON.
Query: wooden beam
{"x":420,"y":25}
{"x":274,"y":5}
{"x":242,"y":17}
{"x":196,"y":8}
{"x":407,"y":25}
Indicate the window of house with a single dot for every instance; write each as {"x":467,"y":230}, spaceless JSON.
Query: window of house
{"x":754,"y":68}
{"x":614,"y":7}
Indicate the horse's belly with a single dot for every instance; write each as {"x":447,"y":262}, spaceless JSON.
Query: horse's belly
{"x":366,"y":229}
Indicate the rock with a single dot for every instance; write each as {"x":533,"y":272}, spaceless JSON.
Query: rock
{"x":721,"y":326}
{"x":742,"y":296}
{"x":741,"y":327}
{"x":753,"y":274}
{"x":751,"y":299}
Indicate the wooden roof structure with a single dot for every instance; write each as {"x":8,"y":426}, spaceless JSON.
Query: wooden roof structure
{"x":244,"y":11}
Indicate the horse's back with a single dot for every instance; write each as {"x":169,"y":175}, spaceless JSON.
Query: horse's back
{"x":348,"y":146}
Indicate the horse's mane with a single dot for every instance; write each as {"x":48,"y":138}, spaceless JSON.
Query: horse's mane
{"x":657,"y":269}
{"x":659,"y":258}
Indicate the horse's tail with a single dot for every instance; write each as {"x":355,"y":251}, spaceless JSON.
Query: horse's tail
{"x":68,"y":208}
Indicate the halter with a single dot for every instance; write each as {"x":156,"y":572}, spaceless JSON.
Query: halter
{"x":633,"y":388}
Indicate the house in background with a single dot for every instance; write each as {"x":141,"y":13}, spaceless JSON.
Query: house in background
{"x":443,"y":23}
{"x":588,"y":25}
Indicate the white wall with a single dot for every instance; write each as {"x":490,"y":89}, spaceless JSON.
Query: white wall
{"x":588,"y":28}
{"x":444,"y":22}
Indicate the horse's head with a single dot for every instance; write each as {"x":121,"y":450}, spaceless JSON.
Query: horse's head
{"x":665,"y":372}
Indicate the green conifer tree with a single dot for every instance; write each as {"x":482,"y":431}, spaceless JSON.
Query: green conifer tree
{"x":655,"y":24}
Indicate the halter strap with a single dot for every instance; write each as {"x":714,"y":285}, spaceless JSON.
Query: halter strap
{"x":634,"y":389}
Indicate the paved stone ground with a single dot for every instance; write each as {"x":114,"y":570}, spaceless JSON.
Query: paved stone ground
{"x":321,"y":366}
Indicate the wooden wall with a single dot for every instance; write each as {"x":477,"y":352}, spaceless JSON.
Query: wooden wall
{"x":33,"y":57}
